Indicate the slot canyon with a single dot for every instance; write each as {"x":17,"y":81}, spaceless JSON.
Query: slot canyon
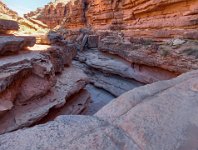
{"x":100,"y":75}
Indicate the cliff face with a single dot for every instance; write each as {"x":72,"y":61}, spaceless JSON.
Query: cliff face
{"x":4,"y":10}
{"x":120,"y":25}
{"x":161,"y":18}
{"x":148,"y":18}
{"x":69,"y":12}
{"x":30,"y":26}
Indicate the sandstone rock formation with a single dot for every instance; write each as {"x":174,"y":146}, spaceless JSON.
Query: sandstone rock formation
{"x":159,"y":19}
{"x":26,"y":26}
{"x":53,"y":14}
{"x":8,"y":25}
{"x":4,"y":10}
{"x":35,"y":80}
{"x":157,"y":116}
{"x":120,"y":45}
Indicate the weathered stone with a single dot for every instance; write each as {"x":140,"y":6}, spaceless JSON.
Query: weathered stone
{"x":25,"y":113}
{"x":69,"y":132}
{"x":169,"y":121}
{"x":99,"y":98}
{"x":115,"y":65}
{"x":152,"y":53}
{"x":8,"y":25}
{"x":15,"y":44}
{"x":114,"y":84}
{"x":158,"y":116}
{"x":142,"y":18}
{"x":76,"y":104}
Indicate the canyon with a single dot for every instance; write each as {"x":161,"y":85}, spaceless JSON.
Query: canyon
{"x":101,"y":75}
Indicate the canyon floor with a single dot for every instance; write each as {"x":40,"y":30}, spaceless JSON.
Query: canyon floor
{"x":109,"y":85}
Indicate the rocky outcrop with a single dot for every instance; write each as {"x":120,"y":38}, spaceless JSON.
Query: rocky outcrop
{"x":157,"y":116}
{"x":35,"y":80}
{"x":14,"y":44}
{"x":115,"y":65}
{"x":159,"y":19}
{"x":4,"y":10}
{"x":152,"y":33}
{"x":175,"y":55}
{"x":8,"y":25}
{"x":61,"y":11}
{"x":147,"y":18}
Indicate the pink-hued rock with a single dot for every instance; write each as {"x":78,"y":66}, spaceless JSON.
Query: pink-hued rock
{"x":28,"y":80}
{"x":162,"y":115}
{"x":34,"y":103}
{"x":68,"y":133}
{"x":167,"y":54}
{"x":159,"y":19}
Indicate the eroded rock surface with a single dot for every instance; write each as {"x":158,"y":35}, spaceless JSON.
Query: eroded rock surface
{"x":8,"y":25}
{"x":115,"y":65}
{"x":161,"y":115}
{"x":14,"y":44}
{"x":69,"y":132}
{"x":35,"y":80}
{"x":158,"y":116}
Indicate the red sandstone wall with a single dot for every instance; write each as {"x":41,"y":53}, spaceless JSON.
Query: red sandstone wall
{"x":150,"y":18}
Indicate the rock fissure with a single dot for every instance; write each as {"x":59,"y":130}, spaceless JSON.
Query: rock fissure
{"x":101,"y":75}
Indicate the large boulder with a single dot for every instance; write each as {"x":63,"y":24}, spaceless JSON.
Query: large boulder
{"x":68,"y":133}
{"x":15,"y":44}
{"x":8,"y":25}
{"x":162,"y":115}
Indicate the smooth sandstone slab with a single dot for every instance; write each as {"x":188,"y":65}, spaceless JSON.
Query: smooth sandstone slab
{"x":69,"y":133}
{"x":161,"y":116}
{"x":7,"y":25}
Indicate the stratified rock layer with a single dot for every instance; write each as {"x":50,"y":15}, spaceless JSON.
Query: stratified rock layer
{"x":161,"y":115}
{"x":147,"y":18}
{"x":35,"y":80}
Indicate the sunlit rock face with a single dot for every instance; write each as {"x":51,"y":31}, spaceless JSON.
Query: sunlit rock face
{"x":4,"y":10}
{"x":34,"y":79}
{"x":67,"y":13}
{"x":148,"y":18}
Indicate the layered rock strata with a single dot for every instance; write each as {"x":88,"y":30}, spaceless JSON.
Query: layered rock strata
{"x":159,"y":19}
{"x":158,"y":34}
{"x":169,"y":121}
{"x":35,"y":80}
{"x":60,"y":11}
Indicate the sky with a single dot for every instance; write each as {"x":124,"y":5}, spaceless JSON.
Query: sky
{"x":24,"y":6}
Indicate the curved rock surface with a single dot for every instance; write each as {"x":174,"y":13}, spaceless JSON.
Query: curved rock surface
{"x":69,"y":132}
{"x":162,"y":115}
